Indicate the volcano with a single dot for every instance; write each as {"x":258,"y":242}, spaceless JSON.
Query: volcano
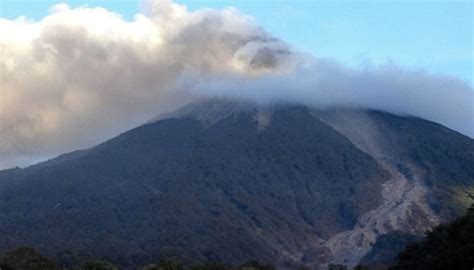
{"x":223,"y":180}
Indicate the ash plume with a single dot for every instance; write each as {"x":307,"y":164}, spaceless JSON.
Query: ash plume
{"x":82,"y":75}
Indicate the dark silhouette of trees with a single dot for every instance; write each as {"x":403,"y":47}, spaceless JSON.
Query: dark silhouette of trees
{"x":98,"y":265}
{"x":449,"y":246}
{"x":25,"y":258}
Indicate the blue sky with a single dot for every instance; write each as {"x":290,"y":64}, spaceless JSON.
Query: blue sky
{"x":435,"y":36}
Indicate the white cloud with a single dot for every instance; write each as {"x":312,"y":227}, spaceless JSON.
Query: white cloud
{"x":81,"y":75}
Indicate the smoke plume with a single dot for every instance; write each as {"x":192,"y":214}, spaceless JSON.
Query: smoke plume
{"x":82,"y":75}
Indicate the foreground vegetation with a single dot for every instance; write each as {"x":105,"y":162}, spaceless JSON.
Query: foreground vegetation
{"x":449,"y":246}
{"x":26,"y":258}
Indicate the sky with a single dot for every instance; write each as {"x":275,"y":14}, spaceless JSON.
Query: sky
{"x":76,"y":74}
{"x":434,"y":36}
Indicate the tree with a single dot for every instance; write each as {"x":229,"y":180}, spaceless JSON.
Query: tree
{"x":99,"y":265}
{"x":449,"y":246}
{"x":26,"y":258}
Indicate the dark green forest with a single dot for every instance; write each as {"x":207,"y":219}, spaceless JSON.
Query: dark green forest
{"x":447,"y":246}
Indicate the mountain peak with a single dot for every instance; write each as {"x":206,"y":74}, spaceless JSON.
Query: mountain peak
{"x":212,"y":110}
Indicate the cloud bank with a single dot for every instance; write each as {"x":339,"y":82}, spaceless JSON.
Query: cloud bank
{"x":82,"y":75}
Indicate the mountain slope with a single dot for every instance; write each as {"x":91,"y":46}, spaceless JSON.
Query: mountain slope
{"x":432,"y":178}
{"x":230,"y":181}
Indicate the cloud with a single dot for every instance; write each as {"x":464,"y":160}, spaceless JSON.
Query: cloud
{"x":82,"y":75}
{"x":323,"y":83}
